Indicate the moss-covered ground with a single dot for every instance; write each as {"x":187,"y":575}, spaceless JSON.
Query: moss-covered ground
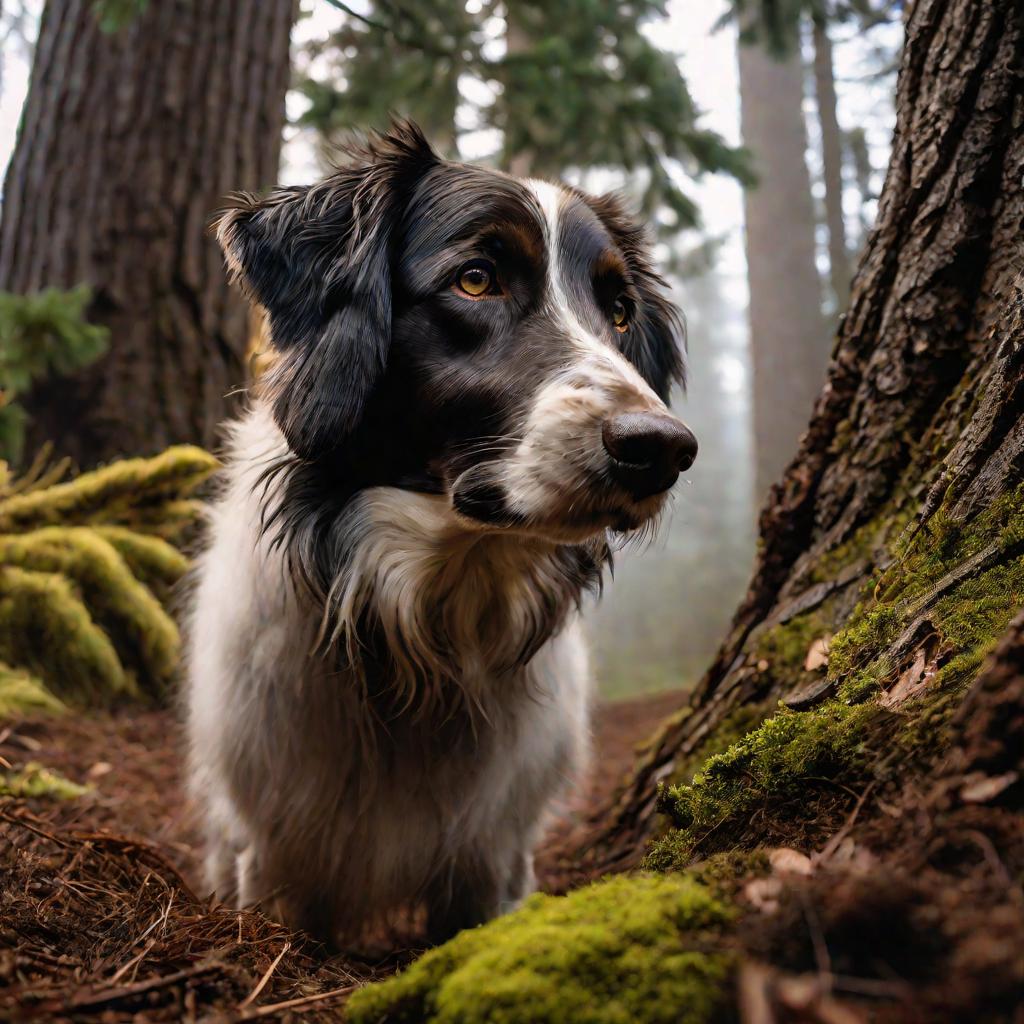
{"x":645,"y":948}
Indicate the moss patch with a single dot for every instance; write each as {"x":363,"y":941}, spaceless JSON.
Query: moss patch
{"x":644,"y":948}
{"x":733,"y":727}
{"x":784,"y":647}
{"x":34,"y":782}
{"x":21,"y":693}
{"x":967,"y":615}
{"x":780,"y":760}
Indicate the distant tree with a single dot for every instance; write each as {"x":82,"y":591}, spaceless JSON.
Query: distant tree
{"x":777,"y":28}
{"x":788,"y":335}
{"x":129,"y":142}
{"x":581,"y":85}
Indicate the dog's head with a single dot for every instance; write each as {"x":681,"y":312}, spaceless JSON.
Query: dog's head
{"x":451,"y":329}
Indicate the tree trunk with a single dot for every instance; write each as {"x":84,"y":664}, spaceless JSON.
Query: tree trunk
{"x":832,"y":165}
{"x":787,"y":331}
{"x":128,"y":145}
{"x":898,"y":525}
{"x":517,"y":40}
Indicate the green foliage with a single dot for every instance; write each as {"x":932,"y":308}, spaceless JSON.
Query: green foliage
{"x":21,"y":693}
{"x":83,"y":572}
{"x":40,"y":335}
{"x":776,"y":24}
{"x":622,"y":950}
{"x":34,"y":781}
{"x":582,"y":87}
{"x":773,"y":764}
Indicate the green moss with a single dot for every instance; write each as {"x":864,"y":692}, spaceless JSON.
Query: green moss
{"x":732,"y":728}
{"x":642,"y":948}
{"x":968,"y":618}
{"x":45,"y":627}
{"x":119,"y":492}
{"x":726,"y":871}
{"x":152,"y":560}
{"x":21,"y":693}
{"x":34,"y":781}
{"x":868,"y":633}
{"x":861,"y":684}
{"x":784,"y":647}
{"x":767,"y":767}
{"x":126,"y":608}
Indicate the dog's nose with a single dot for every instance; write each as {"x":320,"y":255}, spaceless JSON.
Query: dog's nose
{"x":648,"y":451}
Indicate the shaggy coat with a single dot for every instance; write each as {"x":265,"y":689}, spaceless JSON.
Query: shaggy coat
{"x":387,"y":681}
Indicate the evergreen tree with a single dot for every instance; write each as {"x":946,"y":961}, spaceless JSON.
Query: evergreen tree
{"x":584,"y":87}
{"x":776,"y":24}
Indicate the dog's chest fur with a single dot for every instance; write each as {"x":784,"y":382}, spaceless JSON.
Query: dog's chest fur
{"x":312,"y":751}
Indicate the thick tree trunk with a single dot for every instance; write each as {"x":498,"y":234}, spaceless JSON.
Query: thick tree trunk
{"x":906,"y":491}
{"x":128,"y":145}
{"x":832,"y":165}
{"x":788,"y":337}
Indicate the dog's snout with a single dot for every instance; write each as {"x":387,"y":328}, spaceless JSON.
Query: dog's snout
{"x":648,"y":451}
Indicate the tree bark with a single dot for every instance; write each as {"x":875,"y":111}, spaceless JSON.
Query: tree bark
{"x":129,"y":143}
{"x":921,"y":420}
{"x":787,"y":331}
{"x":832,"y":165}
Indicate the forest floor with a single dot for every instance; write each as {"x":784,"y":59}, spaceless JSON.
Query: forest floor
{"x":901,"y":905}
{"x":104,"y":917}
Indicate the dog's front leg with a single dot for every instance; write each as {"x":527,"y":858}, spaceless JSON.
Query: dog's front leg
{"x":469,"y":894}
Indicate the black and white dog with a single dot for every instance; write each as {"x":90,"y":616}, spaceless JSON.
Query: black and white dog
{"x":387,"y":684}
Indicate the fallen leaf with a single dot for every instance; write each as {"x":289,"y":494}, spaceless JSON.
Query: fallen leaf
{"x":817,"y":653}
{"x":912,"y":682}
{"x":984,"y":788}
{"x":785,"y":861}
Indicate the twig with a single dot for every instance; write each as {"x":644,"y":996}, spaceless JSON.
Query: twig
{"x":17,"y":819}
{"x":252,"y":996}
{"x":821,"y":954}
{"x":833,"y":844}
{"x":253,"y":1012}
{"x":123,"y":970}
{"x":138,"y":988}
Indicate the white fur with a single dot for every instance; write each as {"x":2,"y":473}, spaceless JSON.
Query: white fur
{"x":330,"y":818}
{"x":562,"y":441}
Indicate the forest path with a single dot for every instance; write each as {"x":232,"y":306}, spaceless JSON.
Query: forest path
{"x":134,"y":762}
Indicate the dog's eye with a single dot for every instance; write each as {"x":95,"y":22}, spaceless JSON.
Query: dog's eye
{"x":477,"y":278}
{"x":620,"y":316}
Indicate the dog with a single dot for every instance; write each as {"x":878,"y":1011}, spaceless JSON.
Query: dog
{"x":387,"y":682}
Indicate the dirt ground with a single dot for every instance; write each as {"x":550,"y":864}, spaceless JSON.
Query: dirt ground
{"x":105,"y":916}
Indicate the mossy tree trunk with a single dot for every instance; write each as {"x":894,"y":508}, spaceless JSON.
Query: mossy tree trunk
{"x":128,"y":145}
{"x":898,"y":527}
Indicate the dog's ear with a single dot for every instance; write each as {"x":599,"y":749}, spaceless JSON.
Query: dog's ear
{"x":318,"y":259}
{"x":656,"y":340}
